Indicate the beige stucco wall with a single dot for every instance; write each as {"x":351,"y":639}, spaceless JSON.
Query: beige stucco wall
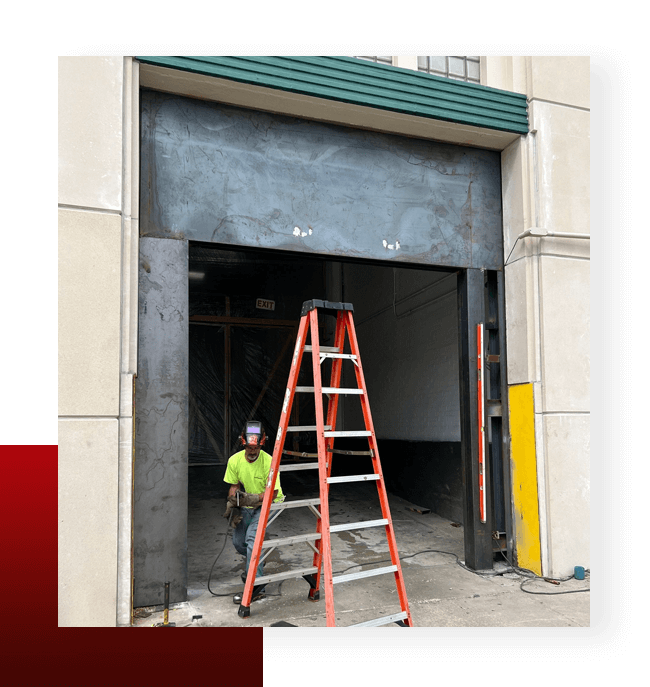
{"x":546,"y":185}
{"x":96,"y":311}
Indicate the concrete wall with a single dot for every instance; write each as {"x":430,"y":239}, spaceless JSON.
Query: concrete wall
{"x":545,"y":178}
{"x":409,"y":353}
{"x":410,"y":362}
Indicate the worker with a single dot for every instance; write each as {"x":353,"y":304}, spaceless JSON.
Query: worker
{"x":247,"y":474}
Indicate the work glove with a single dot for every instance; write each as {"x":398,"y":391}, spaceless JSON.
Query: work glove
{"x":236,"y":512}
{"x":249,"y":500}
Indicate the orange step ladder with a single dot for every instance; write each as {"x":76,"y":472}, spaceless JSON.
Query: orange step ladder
{"x":321,"y":570}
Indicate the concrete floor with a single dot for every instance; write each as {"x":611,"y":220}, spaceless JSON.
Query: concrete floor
{"x":441,"y":593}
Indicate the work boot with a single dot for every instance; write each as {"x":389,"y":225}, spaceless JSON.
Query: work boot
{"x":258,"y":593}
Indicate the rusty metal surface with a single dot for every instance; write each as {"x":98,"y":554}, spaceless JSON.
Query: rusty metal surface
{"x":220,"y":174}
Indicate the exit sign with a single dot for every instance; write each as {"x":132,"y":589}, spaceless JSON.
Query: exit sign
{"x":265,"y":305}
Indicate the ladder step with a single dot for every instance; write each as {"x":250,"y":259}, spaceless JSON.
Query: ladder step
{"x":358,"y":525}
{"x":288,"y":541}
{"x":350,"y":478}
{"x":295,"y":504}
{"x":298,"y":466}
{"x":329,"y":390}
{"x":355,"y":433}
{"x":386,"y":620}
{"x":324,"y":349}
{"x":287,"y":575}
{"x":364,"y":573}
{"x":306,"y":428}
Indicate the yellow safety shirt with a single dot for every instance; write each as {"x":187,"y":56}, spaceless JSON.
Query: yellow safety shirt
{"x":252,"y":475}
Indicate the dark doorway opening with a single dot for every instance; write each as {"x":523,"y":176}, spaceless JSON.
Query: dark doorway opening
{"x":244,"y":310}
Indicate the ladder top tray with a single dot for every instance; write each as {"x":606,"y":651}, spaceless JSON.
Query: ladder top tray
{"x":308,"y":306}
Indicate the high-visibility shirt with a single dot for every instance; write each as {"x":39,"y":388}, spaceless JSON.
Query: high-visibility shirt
{"x":252,"y":475}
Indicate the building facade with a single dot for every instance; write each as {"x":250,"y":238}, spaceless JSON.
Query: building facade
{"x":542,"y":273}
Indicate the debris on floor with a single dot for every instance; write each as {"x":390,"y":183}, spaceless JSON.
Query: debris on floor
{"x":418,"y":509}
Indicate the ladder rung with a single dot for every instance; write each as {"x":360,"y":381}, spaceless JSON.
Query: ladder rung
{"x":306,"y":428}
{"x":355,"y":433}
{"x":386,"y":620}
{"x":350,"y":478}
{"x":288,"y":574}
{"x":287,"y":541}
{"x":298,"y":466}
{"x":364,"y":573}
{"x":295,"y":504}
{"x":329,"y":390}
{"x":302,"y":454}
{"x":358,"y":525}
{"x":332,"y":352}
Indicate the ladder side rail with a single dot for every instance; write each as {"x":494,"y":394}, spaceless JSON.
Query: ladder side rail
{"x":381,"y":488}
{"x":322,"y":473}
{"x":332,"y":409}
{"x":365,"y":407}
{"x":335,"y":383}
{"x":275,"y":464}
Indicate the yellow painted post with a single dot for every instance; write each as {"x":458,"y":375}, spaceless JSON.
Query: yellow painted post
{"x":524,"y":477}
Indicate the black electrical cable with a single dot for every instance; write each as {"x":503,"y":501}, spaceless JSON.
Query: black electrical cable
{"x":524,"y":572}
{"x":534,"y":576}
{"x":225,"y":539}
{"x":552,"y":580}
{"x":512,"y":569}
{"x":217,"y":558}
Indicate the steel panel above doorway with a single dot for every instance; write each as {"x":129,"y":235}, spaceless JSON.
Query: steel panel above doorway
{"x":220,"y":174}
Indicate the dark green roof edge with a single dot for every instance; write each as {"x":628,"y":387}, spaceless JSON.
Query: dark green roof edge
{"x":359,"y":82}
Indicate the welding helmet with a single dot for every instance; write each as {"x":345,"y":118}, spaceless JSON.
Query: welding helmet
{"x":253,"y":435}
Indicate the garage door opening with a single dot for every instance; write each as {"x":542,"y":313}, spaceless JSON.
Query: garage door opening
{"x":244,"y":310}
{"x":253,"y":190}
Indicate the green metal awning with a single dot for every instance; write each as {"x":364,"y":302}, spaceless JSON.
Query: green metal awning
{"x":369,"y":84}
